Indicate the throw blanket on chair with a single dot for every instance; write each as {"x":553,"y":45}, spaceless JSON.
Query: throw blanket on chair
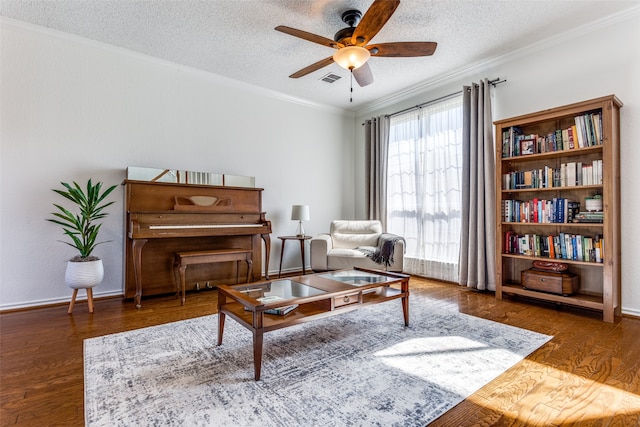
{"x":383,"y":254}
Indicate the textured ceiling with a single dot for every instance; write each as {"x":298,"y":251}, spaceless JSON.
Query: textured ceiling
{"x":236,"y":38}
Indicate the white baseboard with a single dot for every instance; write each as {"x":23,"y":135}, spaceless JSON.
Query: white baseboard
{"x":631,"y":312}
{"x":53,"y":301}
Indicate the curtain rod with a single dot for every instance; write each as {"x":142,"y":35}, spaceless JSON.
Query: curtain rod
{"x":493,"y":83}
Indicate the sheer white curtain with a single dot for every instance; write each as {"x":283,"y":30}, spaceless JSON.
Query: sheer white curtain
{"x":424,"y":187}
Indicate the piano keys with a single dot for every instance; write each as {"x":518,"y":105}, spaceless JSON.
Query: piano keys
{"x":159,"y":223}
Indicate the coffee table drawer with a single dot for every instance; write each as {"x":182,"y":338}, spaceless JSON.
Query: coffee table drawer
{"x":343,"y":300}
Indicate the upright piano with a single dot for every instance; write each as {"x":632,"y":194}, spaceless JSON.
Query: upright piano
{"x":164,"y":218}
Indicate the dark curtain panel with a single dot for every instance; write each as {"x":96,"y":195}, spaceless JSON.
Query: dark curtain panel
{"x":376,"y":134}
{"x":477,"y":242}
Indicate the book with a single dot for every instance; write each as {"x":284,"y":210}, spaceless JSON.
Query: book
{"x":263,"y":299}
{"x":571,"y":135}
{"x":573,"y":208}
{"x":579,"y":180}
{"x":267,"y":299}
{"x":597,"y":244}
{"x":597,"y":118}
{"x":557,"y":247}
{"x":281,"y":311}
{"x":580,"y":131}
{"x":551,"y":245}
{"x":589,"y":217}
{"x":571,"y":174}
{"x":559,"y":141}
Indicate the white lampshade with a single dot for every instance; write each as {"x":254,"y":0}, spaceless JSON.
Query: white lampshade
{"x":351,"y":57}
{"x":300,"y":212}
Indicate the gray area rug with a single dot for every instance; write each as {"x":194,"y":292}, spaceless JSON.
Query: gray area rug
{"x":362,"y":368}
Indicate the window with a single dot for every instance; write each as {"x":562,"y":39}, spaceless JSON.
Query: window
{"x":423,"y":187}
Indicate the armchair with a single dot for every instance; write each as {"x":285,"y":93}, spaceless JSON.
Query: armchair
{"x":356,"y":244}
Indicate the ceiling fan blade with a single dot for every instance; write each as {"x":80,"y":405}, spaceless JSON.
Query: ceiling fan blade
{"x":373,"y":20}
{"x":313,"y":67}
{"x":403,"y":49}
{"x":309,"y":37}
{"x":363,"y":75}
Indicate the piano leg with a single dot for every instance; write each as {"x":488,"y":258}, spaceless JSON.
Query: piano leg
{"x":249,"y":268}
{"x":267,"y":250}
{"x":137,"y":269}
{"x":183,"y":278}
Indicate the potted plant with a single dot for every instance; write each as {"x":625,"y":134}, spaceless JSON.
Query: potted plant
{"x":83,"y":270}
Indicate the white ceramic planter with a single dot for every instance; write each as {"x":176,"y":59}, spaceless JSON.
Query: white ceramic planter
{"x":84,"y":274}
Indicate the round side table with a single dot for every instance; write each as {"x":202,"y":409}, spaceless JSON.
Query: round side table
{"x":301,"y":239}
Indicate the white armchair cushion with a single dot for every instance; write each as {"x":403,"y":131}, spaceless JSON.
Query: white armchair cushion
{"x":351,"y":234}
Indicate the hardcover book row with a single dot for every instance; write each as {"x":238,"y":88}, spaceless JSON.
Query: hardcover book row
{"x":586,"y":132}
{"x":563,"y":246}
{"x":556,"y":210}
{"x":570,"y":174}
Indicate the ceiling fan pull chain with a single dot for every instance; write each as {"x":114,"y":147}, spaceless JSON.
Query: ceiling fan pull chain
{"x":351,"y":93}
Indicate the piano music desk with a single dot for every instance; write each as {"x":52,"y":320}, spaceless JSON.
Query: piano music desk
{"x":185,"y":259}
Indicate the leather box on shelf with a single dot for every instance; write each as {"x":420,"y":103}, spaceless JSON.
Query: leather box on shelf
{"x":564,"y":283}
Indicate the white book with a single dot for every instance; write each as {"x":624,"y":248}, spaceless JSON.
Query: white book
{"x":579,"y":129}
{"x":571,"y":174}
{"x":579,"y":179}
{"x":599,"y":173}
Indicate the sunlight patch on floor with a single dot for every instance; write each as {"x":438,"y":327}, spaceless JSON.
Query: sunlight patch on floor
{"x":457,"y":364}
{"x":557,"y":397}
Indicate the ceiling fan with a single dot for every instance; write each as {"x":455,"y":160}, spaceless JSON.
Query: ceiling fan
{"x":353,"y":50}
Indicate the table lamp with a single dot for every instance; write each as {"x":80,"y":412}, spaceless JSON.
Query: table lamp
{"x":300,"y":213}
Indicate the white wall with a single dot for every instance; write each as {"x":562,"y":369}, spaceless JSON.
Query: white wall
{"x":73,"y":109}
{"x":594,"y":61}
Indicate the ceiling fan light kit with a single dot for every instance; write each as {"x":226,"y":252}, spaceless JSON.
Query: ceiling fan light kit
{"x":351,"y":57}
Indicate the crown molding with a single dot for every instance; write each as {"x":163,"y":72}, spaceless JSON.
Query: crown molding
{"x":475,"y":69}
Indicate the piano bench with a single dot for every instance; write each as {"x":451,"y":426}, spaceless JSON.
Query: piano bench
{"x":185,"y":259}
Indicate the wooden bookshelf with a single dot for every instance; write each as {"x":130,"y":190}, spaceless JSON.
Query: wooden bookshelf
{"x":534,"y":188}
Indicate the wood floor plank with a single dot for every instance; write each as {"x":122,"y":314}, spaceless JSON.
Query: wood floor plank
{"x":587,"y":375}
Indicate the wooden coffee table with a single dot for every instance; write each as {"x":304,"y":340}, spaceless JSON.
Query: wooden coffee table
{"x":314,"y":296}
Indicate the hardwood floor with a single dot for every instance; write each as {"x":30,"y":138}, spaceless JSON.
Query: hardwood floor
{"x":588,"y":374}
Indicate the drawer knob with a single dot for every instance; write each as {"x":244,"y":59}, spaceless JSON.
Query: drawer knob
{"x":346,"y":298}
{"x":543,"y":279}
